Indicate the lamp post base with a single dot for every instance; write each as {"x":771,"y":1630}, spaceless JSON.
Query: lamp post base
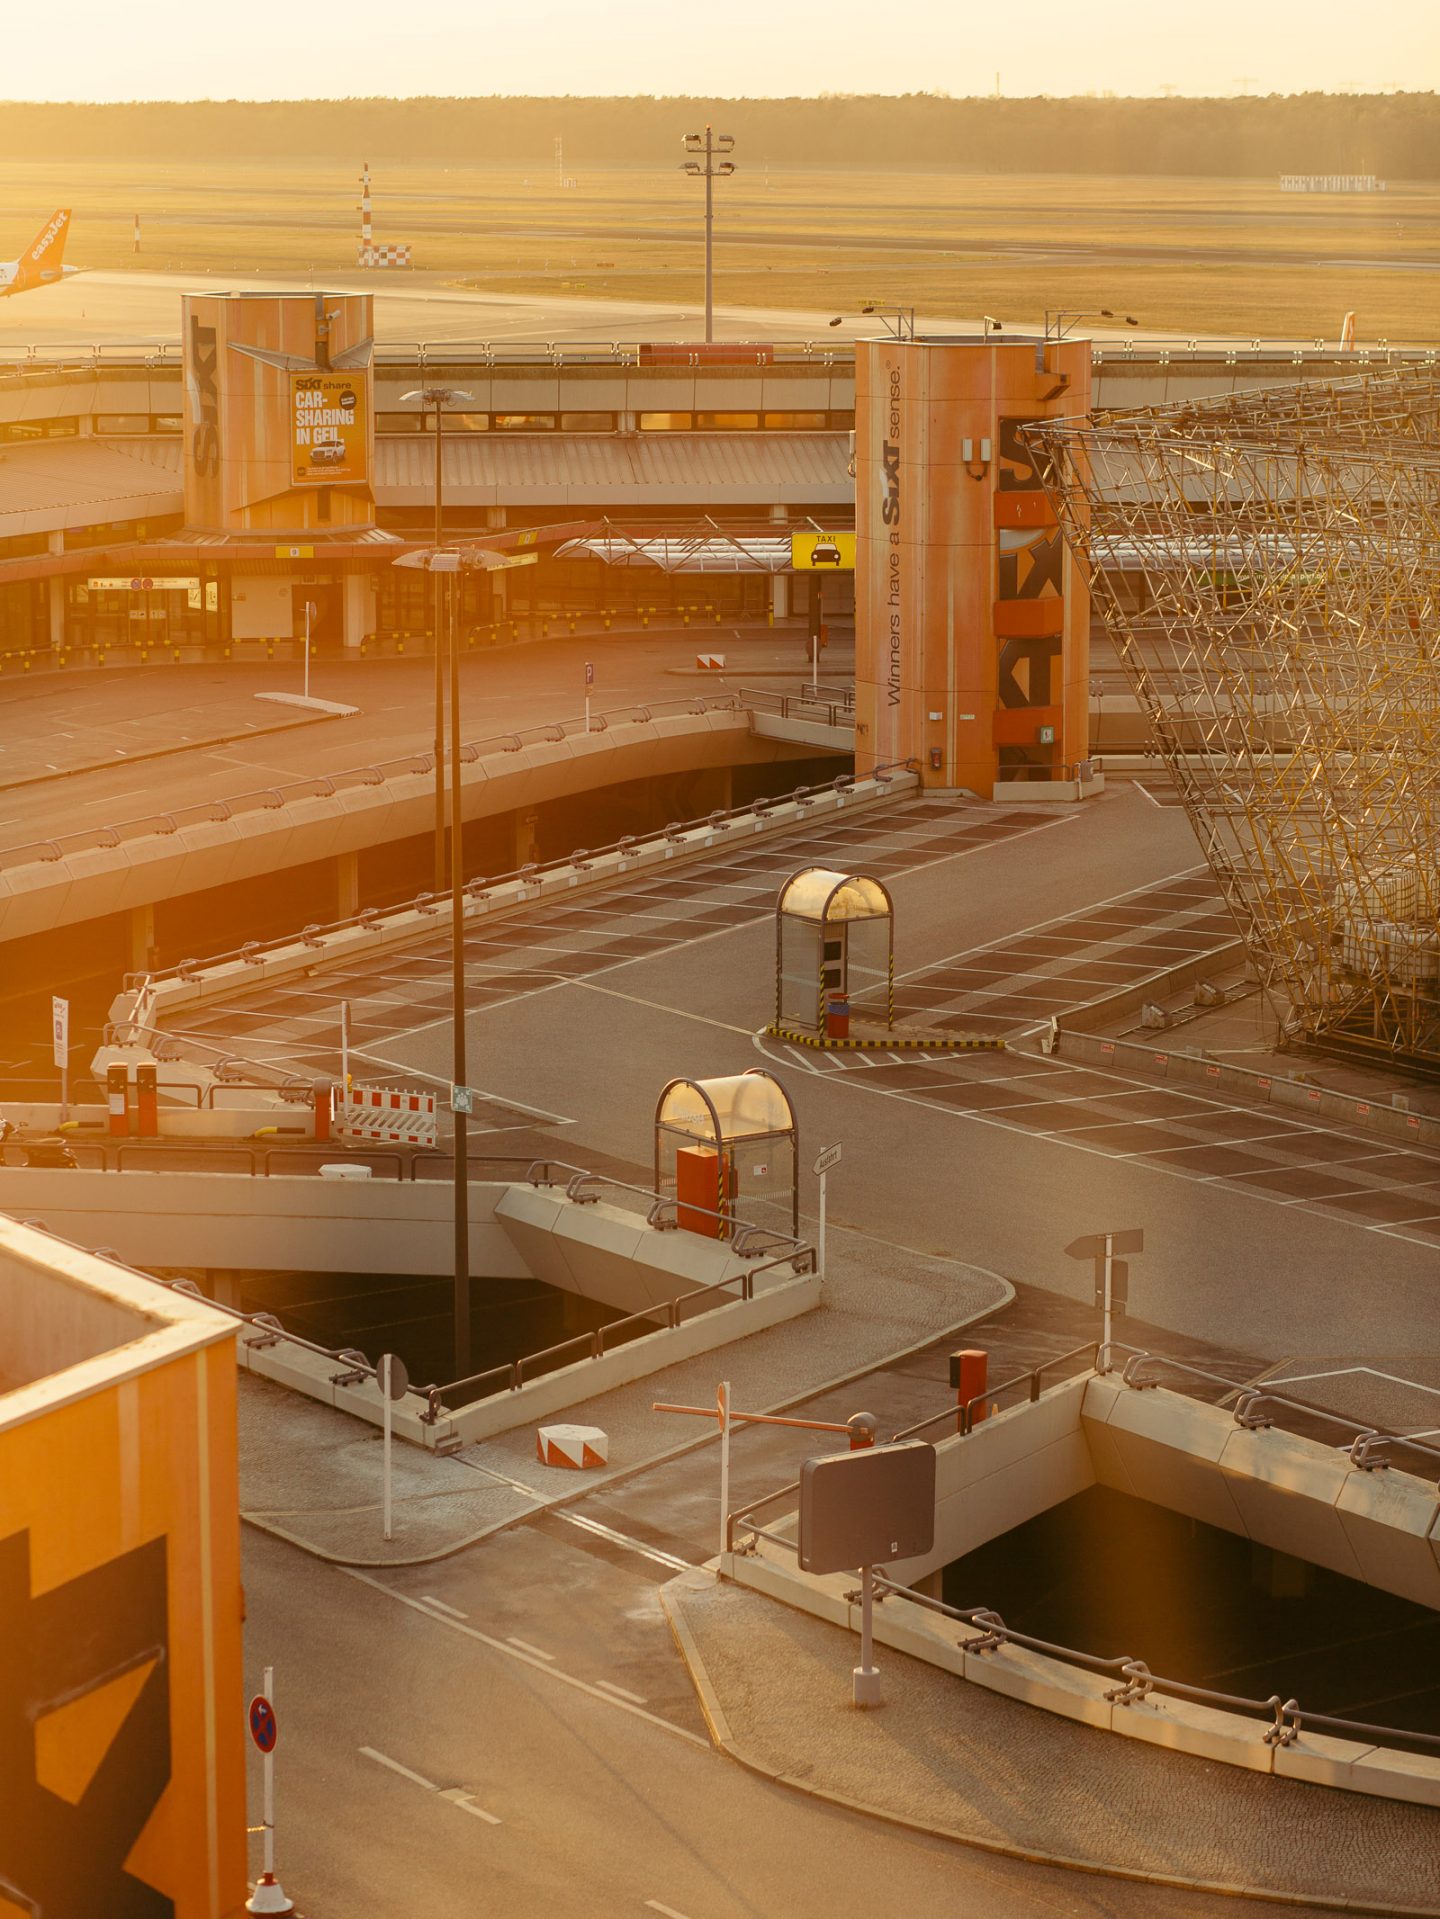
{"x":865,"y":1686}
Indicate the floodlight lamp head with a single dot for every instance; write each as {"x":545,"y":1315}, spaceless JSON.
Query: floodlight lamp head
{"x":1106,"y":314}
{"x":692,"y":166}
{"x":726,"y":166}
{"x":725,"y":141}
{"x":692,"y":143}
{"x":839,"y":320}
{"x":1130,"y":320}
{"x":990,"y":323}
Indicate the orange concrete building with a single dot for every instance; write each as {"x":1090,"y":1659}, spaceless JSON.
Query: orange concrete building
{"x":971,"y":625}
{"x":122,"y":1767}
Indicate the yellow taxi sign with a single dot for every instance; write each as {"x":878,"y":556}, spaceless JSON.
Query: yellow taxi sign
{"x":822,"y":552}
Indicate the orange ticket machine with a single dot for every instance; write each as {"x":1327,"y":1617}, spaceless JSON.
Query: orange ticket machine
{"x":706,"y":1185}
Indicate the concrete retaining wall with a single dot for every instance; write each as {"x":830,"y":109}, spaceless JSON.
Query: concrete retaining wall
{"x":1192,"y":1069}
{"x":540,"y":1398}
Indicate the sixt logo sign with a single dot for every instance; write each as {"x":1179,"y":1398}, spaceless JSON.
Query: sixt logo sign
{"x":50,"y":235}
{"x":202,"y":380}
{"x":890,"y":457}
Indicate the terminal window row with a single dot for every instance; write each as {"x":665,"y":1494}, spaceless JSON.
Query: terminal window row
{"x":667,"y":422}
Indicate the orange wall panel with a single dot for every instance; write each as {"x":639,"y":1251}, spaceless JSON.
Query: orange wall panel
{"x":120,"y":1614}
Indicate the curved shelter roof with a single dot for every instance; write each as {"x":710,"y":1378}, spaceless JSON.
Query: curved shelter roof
{"x":821,"y":893}
{"x":751,"y":1105}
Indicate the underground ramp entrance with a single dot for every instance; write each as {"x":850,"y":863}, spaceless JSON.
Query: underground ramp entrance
{"x":412,"y":1315}
{"x":1110,"y":1574}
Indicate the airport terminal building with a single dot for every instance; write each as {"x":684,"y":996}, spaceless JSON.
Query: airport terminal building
{"x":112,"y":536}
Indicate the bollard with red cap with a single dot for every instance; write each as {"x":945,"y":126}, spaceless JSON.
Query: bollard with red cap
{"x":969,"y":1372}
{"x":117,"y":1100}
{"x":147,"y":1102}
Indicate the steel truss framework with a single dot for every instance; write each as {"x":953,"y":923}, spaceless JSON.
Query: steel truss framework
{"x":1268,"y":566}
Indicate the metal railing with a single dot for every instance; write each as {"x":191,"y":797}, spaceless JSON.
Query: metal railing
{"x":666,"y":1317}
{"x":1285,"y":1718}
{"x":1368,"y":1445}
{"x":168,"y":353}
{"x":660,"y":1206}
{"x":327,"y":785}
{"x":826,"y":706}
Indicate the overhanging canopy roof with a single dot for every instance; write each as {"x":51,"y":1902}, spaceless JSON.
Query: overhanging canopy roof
{"x":749,"y":1105}
{"x":820,"y":893}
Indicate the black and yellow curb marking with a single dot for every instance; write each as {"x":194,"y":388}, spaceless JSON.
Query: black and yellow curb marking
{"x":892,"y":1044}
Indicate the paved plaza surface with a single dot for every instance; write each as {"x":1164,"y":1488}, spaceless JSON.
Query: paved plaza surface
{"x":961,"y":1760}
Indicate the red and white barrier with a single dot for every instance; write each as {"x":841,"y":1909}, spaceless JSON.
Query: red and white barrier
{"x":396,"y":1116}
{"x":710,"y":662}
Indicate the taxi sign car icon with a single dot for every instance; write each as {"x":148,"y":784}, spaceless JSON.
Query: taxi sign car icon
{"x":825,"y":553}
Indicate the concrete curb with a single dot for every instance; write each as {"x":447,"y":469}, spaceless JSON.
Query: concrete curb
{"x":725,"y":1741}
{"x":587,"y":1490}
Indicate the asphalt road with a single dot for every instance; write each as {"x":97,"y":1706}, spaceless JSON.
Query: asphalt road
{"x":49,"y":727}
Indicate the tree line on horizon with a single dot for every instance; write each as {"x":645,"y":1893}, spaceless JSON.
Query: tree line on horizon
{"x":1396,"y":136}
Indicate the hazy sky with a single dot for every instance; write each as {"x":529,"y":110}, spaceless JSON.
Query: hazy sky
{"x":275,"y":49}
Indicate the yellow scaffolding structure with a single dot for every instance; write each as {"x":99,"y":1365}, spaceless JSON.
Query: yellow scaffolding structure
{"x":1267,"y":564}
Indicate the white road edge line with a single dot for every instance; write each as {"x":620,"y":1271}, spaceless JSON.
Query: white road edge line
{"x":383,"y":1759}
{"x":440,"y":1606}
{"x":525,"y":1646}
{"x":610,"y":1686}
{"x":536,"y":1665}
{"x":669,"y":1911}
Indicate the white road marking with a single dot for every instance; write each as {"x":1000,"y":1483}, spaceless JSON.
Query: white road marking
{"x":624,"y":1539}
{"x":453,"y":1795}
{"x":525,"y":1646}
{"x":654,"y":1005}
{"x":454,"y":1611}
{"x":610,"y":1686}
{"x":513,"y":1652}
{"x":383,"y":1759}
{"x":669,"y":1911}
{"x":456,"y":1797}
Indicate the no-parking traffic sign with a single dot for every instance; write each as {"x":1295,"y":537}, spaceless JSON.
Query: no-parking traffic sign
{"x":263,"y":1729}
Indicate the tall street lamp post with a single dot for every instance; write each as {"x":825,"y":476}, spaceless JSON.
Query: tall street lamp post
{"x":438,"y":398}
{"x":711,"y":145}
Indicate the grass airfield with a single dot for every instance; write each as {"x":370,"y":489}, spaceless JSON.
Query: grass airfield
{"x":1201,"y":257}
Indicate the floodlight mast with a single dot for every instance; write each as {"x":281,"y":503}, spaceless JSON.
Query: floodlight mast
{"x":1059,"y":320}
{"x":711,"y":145}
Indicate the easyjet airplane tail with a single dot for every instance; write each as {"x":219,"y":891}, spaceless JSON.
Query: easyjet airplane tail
{"x":41,"y":262}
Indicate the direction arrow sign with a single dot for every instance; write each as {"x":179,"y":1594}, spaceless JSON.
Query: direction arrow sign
{"x":824,"y":1161}
{"x":263,"y":1729}
{"x":1092,"y":1245}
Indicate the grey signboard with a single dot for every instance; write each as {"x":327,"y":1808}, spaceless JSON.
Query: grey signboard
{"x":865,"y":1508}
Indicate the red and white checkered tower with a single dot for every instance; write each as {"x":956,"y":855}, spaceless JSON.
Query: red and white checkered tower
{"x":369,"y":254}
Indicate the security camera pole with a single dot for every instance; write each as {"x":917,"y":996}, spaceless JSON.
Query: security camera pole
{"x":711,"y":144}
